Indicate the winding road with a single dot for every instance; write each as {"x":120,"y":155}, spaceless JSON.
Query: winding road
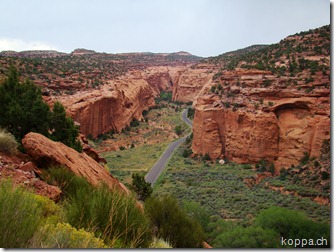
{"x":156,"y":170}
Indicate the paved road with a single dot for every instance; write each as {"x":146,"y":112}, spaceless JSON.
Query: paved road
{"x":156,"y":170}
{"x":185,"y":118}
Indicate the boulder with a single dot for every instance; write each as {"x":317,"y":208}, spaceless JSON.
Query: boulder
{"x":46,"y":152}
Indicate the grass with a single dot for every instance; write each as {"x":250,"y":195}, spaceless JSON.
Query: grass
{"x":134,"y":160}
{"x":139,"y":159}
{"x":109,"y":214}
{"x":222,"y":191}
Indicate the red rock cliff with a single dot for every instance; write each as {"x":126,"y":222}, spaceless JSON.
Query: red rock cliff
{"x":271,"y":104}
{"x":111,"y":107}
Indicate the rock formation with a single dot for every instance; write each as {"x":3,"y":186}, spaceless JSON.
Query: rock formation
{"x":23,"y":173}
{"x":277,"y":109}
{"x":189,"y":82}
{"x":45,"y":152}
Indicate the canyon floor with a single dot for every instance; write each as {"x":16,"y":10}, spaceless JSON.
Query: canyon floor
{"x":230,"y":191}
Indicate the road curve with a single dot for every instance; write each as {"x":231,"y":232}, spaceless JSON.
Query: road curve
{"x":156,"y":170}
{"x":185,"y":118}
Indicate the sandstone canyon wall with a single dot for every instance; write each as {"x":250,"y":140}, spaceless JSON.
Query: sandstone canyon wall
{"x":114,"y":105}
{"x":111,"y":107}
{"x":272,"y":105}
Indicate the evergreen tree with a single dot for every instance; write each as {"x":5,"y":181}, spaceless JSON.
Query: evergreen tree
{"x":63,"y":128}
{"x":141,"y":187}
{"x":22,"y":110}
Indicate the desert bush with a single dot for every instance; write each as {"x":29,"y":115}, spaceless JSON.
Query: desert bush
{"x":172,"y":223}
{"x":70,"y":184}
{"x":249,"y":237}
{"x":20,"y":216}
{"x":52,"y":213}
{"x":142,"y":188}
{"x":197,"y":212}
{"x":110,"y":214}
{"x":178,"y":130}
{"x":292,"y":224}
{"x":159,"y":243}
{"x":63,"y":235}
{"x":8,"y":143}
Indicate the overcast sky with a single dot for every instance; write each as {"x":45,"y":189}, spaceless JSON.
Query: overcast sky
{"x":201,"y":27}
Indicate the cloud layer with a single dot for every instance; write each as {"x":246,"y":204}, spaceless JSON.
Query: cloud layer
{"x":21,"y":45}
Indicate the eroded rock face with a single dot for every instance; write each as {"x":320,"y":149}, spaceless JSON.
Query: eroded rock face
{"x":190,"y":81}
{"x":235,"y":135}
{"x":282,"y":132}
{"x":45,"y":152}
{"x":111,"y":107}
{"x":271,"y":104}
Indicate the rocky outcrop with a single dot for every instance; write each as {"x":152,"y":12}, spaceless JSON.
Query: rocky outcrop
{"x":272,"y":103}
{"x":111,"y":107}
{"x":189,"y":82}
{"x":256,"y":123}
{"x":45,"y":152}
{"x":235,"y":135}
{"x":23,"y":173}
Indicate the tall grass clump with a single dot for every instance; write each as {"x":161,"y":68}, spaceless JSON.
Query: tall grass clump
{"x":8,"y":143}
{"x":20,"y":216}
{"x":110,"y":214}
{"x":159,"y":243}
{"x":70,"y":184}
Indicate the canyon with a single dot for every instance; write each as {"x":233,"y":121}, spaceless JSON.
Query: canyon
{"x":262,"y":103}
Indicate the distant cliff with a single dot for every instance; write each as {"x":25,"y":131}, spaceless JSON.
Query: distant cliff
{"x":272,"y":103}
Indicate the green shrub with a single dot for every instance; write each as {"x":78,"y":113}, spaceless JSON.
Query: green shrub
{"x":206,"y":157}
{"x":141,"y":187}
{"x":52,"y":213}
{"x":178,"y":130}
{"x":63,"y":235}
{"x":8,"y":143}
{"x":173,"y":224}
{"x":20,"y":216}
{"x":305,"y":159}
{"x":63,"y":128}
{"x":249,"y":237}
{"x":197,"y":212}
{"x":292,"y":224}
{"x":70,"y":184}
{"x":110,"y":214}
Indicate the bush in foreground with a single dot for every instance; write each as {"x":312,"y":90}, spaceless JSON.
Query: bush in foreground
{"x":20,"y":216}
{"x":63,"y":235}
{"x":292,"y":224}
{"x":111,"y":215}
{"x":249,"y":237}
{"x":8,"y":143}
{"x":173,"y":224}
